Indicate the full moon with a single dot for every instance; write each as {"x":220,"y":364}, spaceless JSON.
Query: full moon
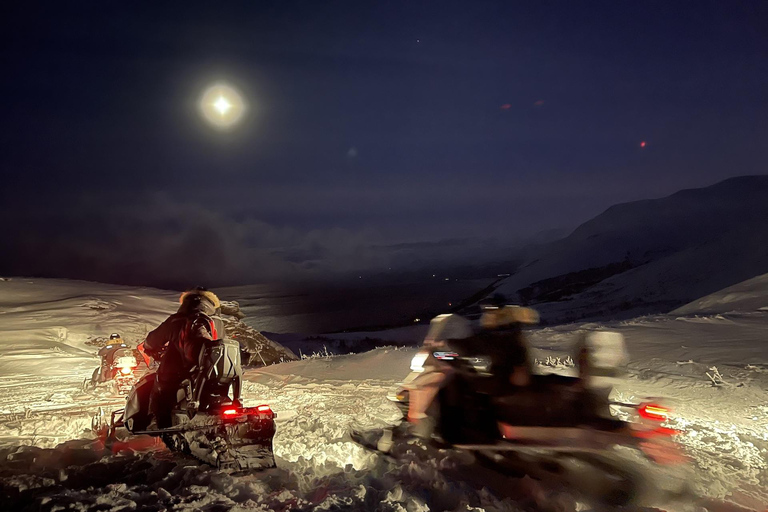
{"x":222,"y":106}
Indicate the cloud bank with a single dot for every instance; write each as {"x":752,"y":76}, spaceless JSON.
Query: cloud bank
{"x":154,"y":240}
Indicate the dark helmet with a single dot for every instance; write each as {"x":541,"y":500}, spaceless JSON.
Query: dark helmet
{"x":114,"y":336}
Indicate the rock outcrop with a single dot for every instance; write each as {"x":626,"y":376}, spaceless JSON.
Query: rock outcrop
{"x":255,"y":348}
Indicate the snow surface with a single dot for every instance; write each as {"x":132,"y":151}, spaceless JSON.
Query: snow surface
{"x":43,"y":362}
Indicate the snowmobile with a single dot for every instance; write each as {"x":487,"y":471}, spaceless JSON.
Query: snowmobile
{"x":118,"y":366}
{"x":559,"y":429}
{"x":207,"y":423}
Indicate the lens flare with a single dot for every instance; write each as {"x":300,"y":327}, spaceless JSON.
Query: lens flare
{"x":222,"y":106}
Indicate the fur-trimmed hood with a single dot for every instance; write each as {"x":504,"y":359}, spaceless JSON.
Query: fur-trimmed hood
{"x":508,"y":316}
{"x":201,"y":300}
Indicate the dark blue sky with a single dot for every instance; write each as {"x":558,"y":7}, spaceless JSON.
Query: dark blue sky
{"x":371,"y":125}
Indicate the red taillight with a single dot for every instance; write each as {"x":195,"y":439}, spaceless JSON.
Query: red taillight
{"x":229,"y":412}
{"x":653,"y":412}
{"x":125,"y":370}
{"x":263,"y":408}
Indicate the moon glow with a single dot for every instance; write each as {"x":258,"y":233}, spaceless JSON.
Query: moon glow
{"x":222,"y":106}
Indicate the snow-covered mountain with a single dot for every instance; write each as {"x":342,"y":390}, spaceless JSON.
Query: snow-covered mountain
{"x":651,"y":256}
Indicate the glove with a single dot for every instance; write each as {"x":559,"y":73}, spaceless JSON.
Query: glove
{"x":153,"y":354}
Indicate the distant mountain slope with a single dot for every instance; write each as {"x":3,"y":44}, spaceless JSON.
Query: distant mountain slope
{"x":748,"y":296}
{"x":653,"y":255}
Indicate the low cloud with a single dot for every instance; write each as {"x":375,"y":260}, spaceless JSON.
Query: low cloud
{"x":158,"y":241}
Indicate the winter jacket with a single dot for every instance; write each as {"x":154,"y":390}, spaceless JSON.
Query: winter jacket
{"x":181,"y":337}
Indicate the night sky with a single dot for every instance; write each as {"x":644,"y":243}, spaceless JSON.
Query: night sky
{"x":386,"y":134}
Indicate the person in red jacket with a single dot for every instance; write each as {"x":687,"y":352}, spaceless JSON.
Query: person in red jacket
{"x":177,"y":343}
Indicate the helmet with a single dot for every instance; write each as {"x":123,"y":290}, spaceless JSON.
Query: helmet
{"x":448,"y":327}
{"x":114,"y":336}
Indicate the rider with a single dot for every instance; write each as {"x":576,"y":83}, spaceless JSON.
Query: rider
{"x":501,"y":338}
{"x":107,"y":354}
{"x":438,"y":395}
{"x":177,"y":343}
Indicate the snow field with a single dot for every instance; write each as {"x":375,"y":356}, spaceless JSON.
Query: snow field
{"x":44,"y":360}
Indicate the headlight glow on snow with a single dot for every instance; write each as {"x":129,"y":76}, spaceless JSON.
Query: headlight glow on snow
{"x":417,"y":363}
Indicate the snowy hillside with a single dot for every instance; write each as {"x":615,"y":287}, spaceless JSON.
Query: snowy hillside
{"x":748,"y":296}
{"x":653,"y":255}
{"x":61,"y":316}
{"x":44,"y":322}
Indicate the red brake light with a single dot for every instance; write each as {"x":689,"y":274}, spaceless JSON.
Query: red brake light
{"x":229,"y":412}
{"x":653,"y":412}
{"x":263,"y":408}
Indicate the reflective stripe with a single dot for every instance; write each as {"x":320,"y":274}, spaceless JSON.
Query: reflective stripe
{"x":214,"y":333}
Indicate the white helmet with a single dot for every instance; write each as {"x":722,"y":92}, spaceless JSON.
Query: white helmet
{"x":448,"y":327}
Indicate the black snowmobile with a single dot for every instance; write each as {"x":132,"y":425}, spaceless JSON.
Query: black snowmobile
{"x":555,"y":429}
{"x":207,"y":422}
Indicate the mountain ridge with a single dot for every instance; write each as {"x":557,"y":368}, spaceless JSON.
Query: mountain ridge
{"x":655,"y":254}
